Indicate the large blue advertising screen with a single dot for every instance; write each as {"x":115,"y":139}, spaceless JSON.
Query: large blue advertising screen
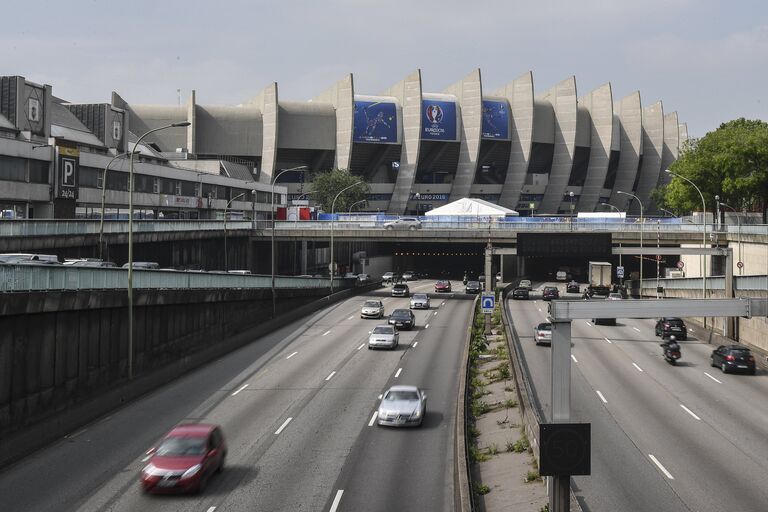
{"x":438,"y":120}
{"x":375,"y":121}
{"x":495,"y":119}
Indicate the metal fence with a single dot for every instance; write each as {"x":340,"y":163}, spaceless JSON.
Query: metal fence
{"x":740,"y":283}
{"x":26,"y":278}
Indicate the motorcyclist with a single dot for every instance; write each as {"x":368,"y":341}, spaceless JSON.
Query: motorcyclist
{"x":672,"y":345}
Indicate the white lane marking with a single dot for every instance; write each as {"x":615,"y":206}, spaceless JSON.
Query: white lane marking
{"x":539,"y":310}
{"x":635,"y":328}
{"x":211,"y":509}
{"x":690,"y":412}
{"x":397,"y":374}
{"x":381,"y":396}
{"x":435,"y":313}
{"x":426,"y":326}
{"x":351,"y":318}
{"x":240,"y":389}
{"x":711,"y":377}
{"x":145,"y":459}
{"x":442,"y":304}
{"x":415,"y":343}
{"x":638,"y":368}
{"x":336,"y":500}
{"x":609,"y":341}
{"x":326,"y":333}
{"x":361,"y":346}
{"x":329,"y":377}
{"x":75,"y":434}
{"x":662,"y":468}
{"x":285,"y":424}
{"x":601,"y":396}
{"x":373,"y":418}
{"x":290,"y":356}
{"x":574,"y":358}
{"x":589,"y":324}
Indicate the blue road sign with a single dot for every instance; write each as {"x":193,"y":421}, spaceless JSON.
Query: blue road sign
{"x":488,"y":302}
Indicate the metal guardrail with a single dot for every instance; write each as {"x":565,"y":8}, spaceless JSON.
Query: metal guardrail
{"x":10,"y":228}
{"x":740,"y":283}
{"x":27,"y":278}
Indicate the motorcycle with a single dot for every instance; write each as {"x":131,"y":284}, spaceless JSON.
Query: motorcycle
{"x":671,"y":351}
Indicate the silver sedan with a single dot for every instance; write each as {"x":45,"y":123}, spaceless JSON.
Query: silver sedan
{"x":372,"y":309}
{"x":402,"y":406}
{"x":420,"y":301}
{"x":384,"y":336}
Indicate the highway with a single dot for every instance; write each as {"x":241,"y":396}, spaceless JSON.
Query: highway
{"x":671,"y":438}
{"x":296,"y":409}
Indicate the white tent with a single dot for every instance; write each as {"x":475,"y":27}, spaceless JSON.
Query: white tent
{"x":471,"y":207}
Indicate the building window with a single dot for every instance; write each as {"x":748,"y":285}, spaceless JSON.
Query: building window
{"x":156,"y":185}
{"x":187,"y":188}
{"x":38,"y":171}
{"x":13,"y":169}
{"x":177,"y":188}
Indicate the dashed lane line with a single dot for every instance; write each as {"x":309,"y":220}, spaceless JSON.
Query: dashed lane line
{"x":336,"y":500}
{"x":240,"y":389}
{"x":638,"y":368}
{"x":574,"y":358}
{"x":329,"y":377}
{"x":714,"y":379}
{"x":326,"y":333}
{"x":601,"y":396}
{"x":290,"y":356}
{"x":361,"y":346}
{"x":282,"y":427}
{"x":662,"y":468}
{"x":690,"y":412}
{"x":397,"y":374}
{"x":373,"y":418}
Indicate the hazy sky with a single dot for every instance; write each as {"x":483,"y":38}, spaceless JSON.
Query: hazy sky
{"x":706,"y":59}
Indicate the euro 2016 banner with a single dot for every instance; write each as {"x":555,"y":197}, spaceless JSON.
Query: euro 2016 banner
{"x":495,"y":119}
{"x":438,"y":120}
{"x":375,"y":121}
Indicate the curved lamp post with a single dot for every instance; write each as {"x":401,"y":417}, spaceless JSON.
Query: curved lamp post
{"x":331,"y":266}
{"x":104,"y":198}
{"x":641,"y":237}
{"x":609,"y":204}
{"x":130,"y":241}
{"x":301,"y":168}
{"x":226,"y":208}
{"x":355,"y":203}
{"x":704,"y":238}
{"x":667,"y":211}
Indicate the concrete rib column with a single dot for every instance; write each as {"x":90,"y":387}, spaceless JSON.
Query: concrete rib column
{"x":192,"y":128}
{"x":599,"y":104}
{"x":342,"y":96}
{"x":671,"y":146}
{"x":653,"y":143}
{"x":562,"y":97}
{"x":469,"y":97}
{"x":266,"y":101}
{"x":408,"y":93}
{"x":630,"y":115}
{"x":519,"y":93}
{"x":683,"y":131}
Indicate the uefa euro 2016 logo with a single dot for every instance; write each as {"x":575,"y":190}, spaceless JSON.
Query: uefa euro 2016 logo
{"x":434,"y":114}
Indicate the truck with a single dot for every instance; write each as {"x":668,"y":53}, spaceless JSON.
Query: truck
{"x":599,"y":278}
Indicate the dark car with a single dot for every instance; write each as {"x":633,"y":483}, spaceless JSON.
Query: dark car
{"x":550,"y":292}
{"x":443,"y":286}
{"x":185,"y":459}
{"x":520,"y":293}
{"x":733,"y":358}
{"x":402,"y":319}
{"x":572,"y":287}
{"x":472,"y":287}
{"x":401,"y":290}
{"x":671,"y":325}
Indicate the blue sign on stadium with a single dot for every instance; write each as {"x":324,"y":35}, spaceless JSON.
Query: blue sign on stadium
{"x":375,"y":121}
{"x":495,"y":119}
{"x":438,"y":120}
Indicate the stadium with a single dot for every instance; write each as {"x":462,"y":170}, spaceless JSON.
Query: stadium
{"x":544,"y":152}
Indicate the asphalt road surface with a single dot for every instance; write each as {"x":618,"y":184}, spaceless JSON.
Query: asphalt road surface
{"x":296,"y":409}
{"x":671,"y":438}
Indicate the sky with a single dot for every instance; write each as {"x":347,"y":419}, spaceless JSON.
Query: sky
{"x":705,"y":59}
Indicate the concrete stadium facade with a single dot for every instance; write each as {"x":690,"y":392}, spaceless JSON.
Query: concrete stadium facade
{"x":548,"y":153}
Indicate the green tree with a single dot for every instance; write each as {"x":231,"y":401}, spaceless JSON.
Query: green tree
{"x":731,"y":162}
{"x":325,"y":186}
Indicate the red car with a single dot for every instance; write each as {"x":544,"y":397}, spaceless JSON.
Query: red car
{"x":443,"y":286}
{"x":185,"y":459}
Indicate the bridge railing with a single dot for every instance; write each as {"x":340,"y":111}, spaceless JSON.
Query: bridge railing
{"x":740,"y":283}
{"x":26,"y":278}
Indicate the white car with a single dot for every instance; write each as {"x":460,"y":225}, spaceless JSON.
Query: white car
{"x":384,"y":336}
{"x":363,"y":278}
{"x":525,"y":283}
{"x":402,"y":406}
{"x":409,"y":223}
{"x":372,"y":309}
{"x":420,"y":301}
{"x":542,"y":333}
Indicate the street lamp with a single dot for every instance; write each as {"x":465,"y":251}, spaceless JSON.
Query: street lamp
{"x":614,"y":207}
{"x":570,"y":194}
{"x":704,"y":237}
{"x":301,"y":168}
{"x":103,"y":199}
{"x":355,"y":203}
{"x":130,"y":241}
{"x":667,"y":211}
{"x":641,"y":236}
{"x":253,"y":209}
{"x":226,"y":258}
{"x":331,"y":266}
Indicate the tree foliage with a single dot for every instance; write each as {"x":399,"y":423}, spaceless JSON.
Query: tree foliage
{"x":327,"y":184}
{"x":731,"y":162}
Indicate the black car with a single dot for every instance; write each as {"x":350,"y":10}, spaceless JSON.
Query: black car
{"x":402,"y":319}
{"x":671,"y":325}
{"x":520,"y":293}
{"x":733,"y":358}
{"x":550,"y":292}
{"x":401,"y":290}
{"x":572,"y":287}
{"x":472,"y":287}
